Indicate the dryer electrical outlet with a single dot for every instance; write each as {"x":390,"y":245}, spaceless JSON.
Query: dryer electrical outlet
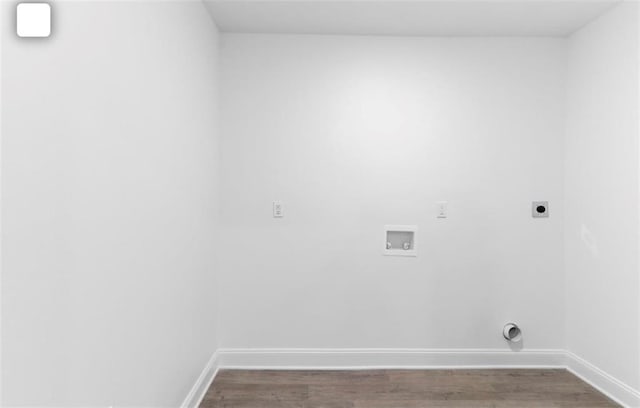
{"x":540,"y":209}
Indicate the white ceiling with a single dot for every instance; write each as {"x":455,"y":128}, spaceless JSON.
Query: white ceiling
{"x":399,"y":17}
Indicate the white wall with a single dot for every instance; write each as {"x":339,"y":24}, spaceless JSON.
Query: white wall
{"x":109,"y":163}
{"x":110,"y":197}
{"x":353,"y":133}
{"x":601,"y":195}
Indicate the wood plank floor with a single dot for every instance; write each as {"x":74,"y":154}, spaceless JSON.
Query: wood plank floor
{"x":401,"y":389}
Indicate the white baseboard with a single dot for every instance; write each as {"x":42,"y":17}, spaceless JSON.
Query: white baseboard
{"x":365,"y":359}
{"x":199,"y":389}
{"x":387,"y":358}
{"x":603,"y":382}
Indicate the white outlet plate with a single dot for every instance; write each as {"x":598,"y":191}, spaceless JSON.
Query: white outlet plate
{"x":278,"y":209}
{"x":441,"y":209}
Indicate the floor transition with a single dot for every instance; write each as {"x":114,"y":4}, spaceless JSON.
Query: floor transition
{"x":402,"y":389}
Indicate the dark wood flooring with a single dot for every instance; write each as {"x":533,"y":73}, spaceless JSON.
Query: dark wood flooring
{"x":401,"y":389}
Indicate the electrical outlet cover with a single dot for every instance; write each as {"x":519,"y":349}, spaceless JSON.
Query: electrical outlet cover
{"x":540,"y":209}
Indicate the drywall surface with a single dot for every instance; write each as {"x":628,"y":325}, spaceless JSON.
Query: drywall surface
{"x":109,"y":162}
{"x":601,"y":217}
{"x":353,"y":133}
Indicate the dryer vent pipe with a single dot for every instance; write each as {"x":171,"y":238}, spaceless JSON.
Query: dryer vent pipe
{"x":512,"y":332}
